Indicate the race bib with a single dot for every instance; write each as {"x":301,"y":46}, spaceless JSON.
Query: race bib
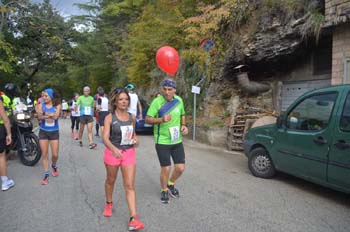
{"x":175,"y":133}
{"x":49,"y":123}
{"x":87,"y":110}
{"x":127,"y":135}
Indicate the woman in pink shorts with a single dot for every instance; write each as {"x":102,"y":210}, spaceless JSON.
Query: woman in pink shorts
{"x":119,"y":138}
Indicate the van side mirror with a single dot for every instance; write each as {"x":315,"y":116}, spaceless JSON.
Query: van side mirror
{"x":279,"y":121}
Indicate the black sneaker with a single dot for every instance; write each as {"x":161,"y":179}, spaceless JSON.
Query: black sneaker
{"x":164,"y":197}
{"x":174,"y":193}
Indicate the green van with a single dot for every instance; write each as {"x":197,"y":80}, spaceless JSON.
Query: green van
{"x":311,"y":140}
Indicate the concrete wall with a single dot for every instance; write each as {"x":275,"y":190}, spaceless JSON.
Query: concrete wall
{"x":341,"y":54}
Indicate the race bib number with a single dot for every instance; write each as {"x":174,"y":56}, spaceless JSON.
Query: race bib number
{"x":175,"y":133}
{"x":127,"y":135}
{"x":87,"y":110}
{"x":49,"y":123}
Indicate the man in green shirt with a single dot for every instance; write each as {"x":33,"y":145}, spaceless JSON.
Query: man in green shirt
{"x":167,"y":113}
{"x":86,"y":104}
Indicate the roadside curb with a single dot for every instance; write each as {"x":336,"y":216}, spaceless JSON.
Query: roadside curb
{"x":190,"y":143}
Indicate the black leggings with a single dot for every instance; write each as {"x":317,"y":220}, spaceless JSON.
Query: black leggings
{"x":75,"y":121}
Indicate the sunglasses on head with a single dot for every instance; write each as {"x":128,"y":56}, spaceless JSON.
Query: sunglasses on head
{"x":119,"y":90}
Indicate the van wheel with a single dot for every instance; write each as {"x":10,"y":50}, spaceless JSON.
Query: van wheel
{"x":260,"y":163}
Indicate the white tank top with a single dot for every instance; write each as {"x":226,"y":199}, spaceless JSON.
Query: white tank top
{"x":104,"y":104}
{"x":133,"y":103}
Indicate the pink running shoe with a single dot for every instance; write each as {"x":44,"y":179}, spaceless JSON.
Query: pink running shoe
{"x":108,"y":210}
{"x":72,"y":135}
{"x":92,"y":145}
{"x":55,"y":171}
{"x":135,"y":224}
{"x":45,"y":181}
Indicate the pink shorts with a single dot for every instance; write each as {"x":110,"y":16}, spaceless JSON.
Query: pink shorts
{"x":128,"y":157}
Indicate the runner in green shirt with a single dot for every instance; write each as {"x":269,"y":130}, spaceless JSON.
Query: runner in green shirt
{"x":86,"y":104}
{"x":167,"y":113}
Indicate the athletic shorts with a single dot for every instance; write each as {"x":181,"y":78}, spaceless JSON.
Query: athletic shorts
{"x":175,"y":151}
{"x":101,"y":117}
{"x":128,"y":157}
{"x":85,"y":119}
{"x":2,"y":138}
{"x":49,"y":135}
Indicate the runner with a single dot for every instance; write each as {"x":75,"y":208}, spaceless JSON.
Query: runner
{"x":74,"y":117}
{"x":86,"y":104}
{"x":167,"y":113}
{"x":102,"y":108}
{"x":5,"y":139}
{"x":119,"y":138}
{"x":49,"y":112}
{"x":134,"y":101}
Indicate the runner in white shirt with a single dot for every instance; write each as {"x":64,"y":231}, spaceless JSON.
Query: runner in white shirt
{"x":64,"y":109}
{"x":102,"y":108}
{"x":134,"y":101}
{"x":75,"y":114}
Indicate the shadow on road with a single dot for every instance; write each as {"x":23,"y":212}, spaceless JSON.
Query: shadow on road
{"x":330,"y":194}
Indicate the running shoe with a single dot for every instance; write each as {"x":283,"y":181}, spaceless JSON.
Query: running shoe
{"x":72,"y":135}
{"x":80,"y":143}
{"x":6,"y":185}
{"x":92,"y":145}
{"x":45,"y":181}
{"x":108,"y":210}
{"x":135,"y":224}
{"x":55,"y":171}
{"x":173,"y":192}
{"x":164,"y":197}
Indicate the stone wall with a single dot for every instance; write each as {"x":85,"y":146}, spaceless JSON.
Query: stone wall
{"x":341,"y":54}
{"x":337,"y":12}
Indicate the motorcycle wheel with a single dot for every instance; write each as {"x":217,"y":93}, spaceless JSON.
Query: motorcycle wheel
{"x":33,"y":153}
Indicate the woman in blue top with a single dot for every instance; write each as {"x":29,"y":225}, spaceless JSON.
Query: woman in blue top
{"x":49,"y":112}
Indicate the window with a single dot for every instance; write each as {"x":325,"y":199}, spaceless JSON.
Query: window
{"x":345,"y":118}
{"x":313,"y":113}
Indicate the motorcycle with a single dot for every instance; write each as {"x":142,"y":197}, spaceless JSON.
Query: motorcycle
{"x":23,"y":138}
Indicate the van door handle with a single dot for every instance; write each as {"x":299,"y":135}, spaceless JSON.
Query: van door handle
{"x":320,"y":140}
{"x":342,"y":144}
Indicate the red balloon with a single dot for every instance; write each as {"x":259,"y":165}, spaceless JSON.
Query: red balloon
{"x":168,"y":59}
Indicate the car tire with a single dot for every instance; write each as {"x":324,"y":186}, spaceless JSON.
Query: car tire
{"x":260,"y":163}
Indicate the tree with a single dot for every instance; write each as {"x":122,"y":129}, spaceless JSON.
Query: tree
{"x":43,"y":38}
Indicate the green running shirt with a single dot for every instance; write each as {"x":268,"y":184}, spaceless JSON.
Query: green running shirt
{"x":86,"y":105}
{"x":165,"y":131}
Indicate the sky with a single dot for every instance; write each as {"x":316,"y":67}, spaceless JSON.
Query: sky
{"x":66,"y":7}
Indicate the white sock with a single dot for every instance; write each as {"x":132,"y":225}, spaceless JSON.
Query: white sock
{"x":4,"y":179}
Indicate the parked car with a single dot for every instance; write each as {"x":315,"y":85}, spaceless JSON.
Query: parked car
{"x":141,"y":126}
{"x":311,"y":140}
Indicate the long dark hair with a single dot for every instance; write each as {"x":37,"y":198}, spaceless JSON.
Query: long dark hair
{"x":114,"y":95}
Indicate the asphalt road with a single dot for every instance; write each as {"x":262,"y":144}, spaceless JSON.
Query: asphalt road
{"x":218,"y":193}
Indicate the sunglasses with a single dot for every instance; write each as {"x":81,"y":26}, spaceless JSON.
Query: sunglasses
{"x":119,"y":90}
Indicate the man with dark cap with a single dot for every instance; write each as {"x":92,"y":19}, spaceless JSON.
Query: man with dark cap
{"x":167,"y":113}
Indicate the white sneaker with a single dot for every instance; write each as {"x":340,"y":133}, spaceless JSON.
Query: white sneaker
{"x":7,"y":185}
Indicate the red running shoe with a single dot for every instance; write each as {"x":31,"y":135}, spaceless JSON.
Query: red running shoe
{"x":55,"y":171}
{"x":135,"y":224}
{"x":92,"y":145}
{"x":45,"y":181}
{"x":108,"y":210}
